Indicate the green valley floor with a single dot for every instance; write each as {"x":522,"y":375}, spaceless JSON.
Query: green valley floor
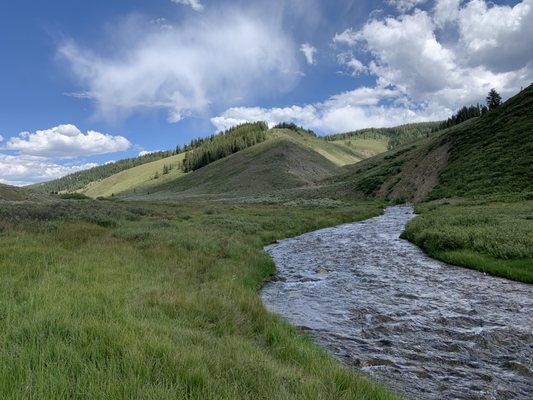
{"x":109,"y":300}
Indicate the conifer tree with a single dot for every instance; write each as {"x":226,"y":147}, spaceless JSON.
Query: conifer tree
{"x":493,"y":99}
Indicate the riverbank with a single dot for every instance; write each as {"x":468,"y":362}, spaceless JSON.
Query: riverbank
{"x":487,"y":235}
{"x":114,"y":300}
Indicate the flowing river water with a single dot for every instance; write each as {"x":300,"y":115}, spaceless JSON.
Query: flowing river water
{"x":426,"y":329}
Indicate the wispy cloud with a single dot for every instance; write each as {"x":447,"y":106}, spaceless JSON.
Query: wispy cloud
{"x":194,"y":4}
{"x":405,"y":5}
{"x":214,"y":59}
{"x":309,"y":53}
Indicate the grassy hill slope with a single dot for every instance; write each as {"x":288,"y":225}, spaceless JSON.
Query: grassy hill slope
{"x":277,"y":164}
{"x":78,"y":180}
{"x":13,"y":193}
{"x":141,"y":177}
{"x":409,"y":172}
{"x":493,"y":154}
{"x":488,"y":155}
{"x":342,"y":152}
{"x":307,"y":147}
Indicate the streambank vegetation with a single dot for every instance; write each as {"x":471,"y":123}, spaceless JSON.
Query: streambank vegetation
{"x":495,"y":237}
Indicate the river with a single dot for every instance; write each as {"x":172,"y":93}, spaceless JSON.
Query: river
{"x":426,"y":329}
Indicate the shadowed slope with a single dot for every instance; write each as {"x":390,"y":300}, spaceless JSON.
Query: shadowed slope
{"x":274,"y":165}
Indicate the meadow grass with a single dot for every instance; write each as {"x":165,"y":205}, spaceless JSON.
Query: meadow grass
{"x":493,"y":237}
{"x":108,"y":300}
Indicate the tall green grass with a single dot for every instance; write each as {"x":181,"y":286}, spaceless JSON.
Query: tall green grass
{"x":104,"y":300}
{"x":493,"y":237}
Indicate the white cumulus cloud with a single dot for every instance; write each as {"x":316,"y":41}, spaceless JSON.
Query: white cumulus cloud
{"x":497,"y":37}
{"x":215,"y":59}
{"x":356,"y":109}
{"x":22,"y":170}
{"x":194,"y":4}
{"x":66,"y":141}
{"x":407,"y":54}
{"x":446,"y":11}
{"x":405,"y":5}
{"x":309,"y":53}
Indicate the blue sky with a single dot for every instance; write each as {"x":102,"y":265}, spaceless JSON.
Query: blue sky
{"x":84,"y":83}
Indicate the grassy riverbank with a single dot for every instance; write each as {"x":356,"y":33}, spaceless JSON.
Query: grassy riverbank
{"x":115,"y":300}
{"x":491,"y":236}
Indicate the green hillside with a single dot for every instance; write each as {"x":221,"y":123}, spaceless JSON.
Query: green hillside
{"x":13,"y":193}
{"x":338,"y":152}
{"x":78,"y":180}
{"x":142,"y":177}
{"x":288,"y":159}
{"x":365,"y":148}
{"x":277,"y":164}
{"x":394,"y":136}
{"x":487,"y":155}
{"x":225,"y":143}
{"x":493,"y":154}
{"x":409,"y":172}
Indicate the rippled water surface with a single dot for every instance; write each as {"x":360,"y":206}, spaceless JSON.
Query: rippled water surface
{"x":427,"y":329}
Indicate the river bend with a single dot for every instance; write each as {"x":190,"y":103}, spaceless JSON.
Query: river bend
{"x":426,"y":329}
